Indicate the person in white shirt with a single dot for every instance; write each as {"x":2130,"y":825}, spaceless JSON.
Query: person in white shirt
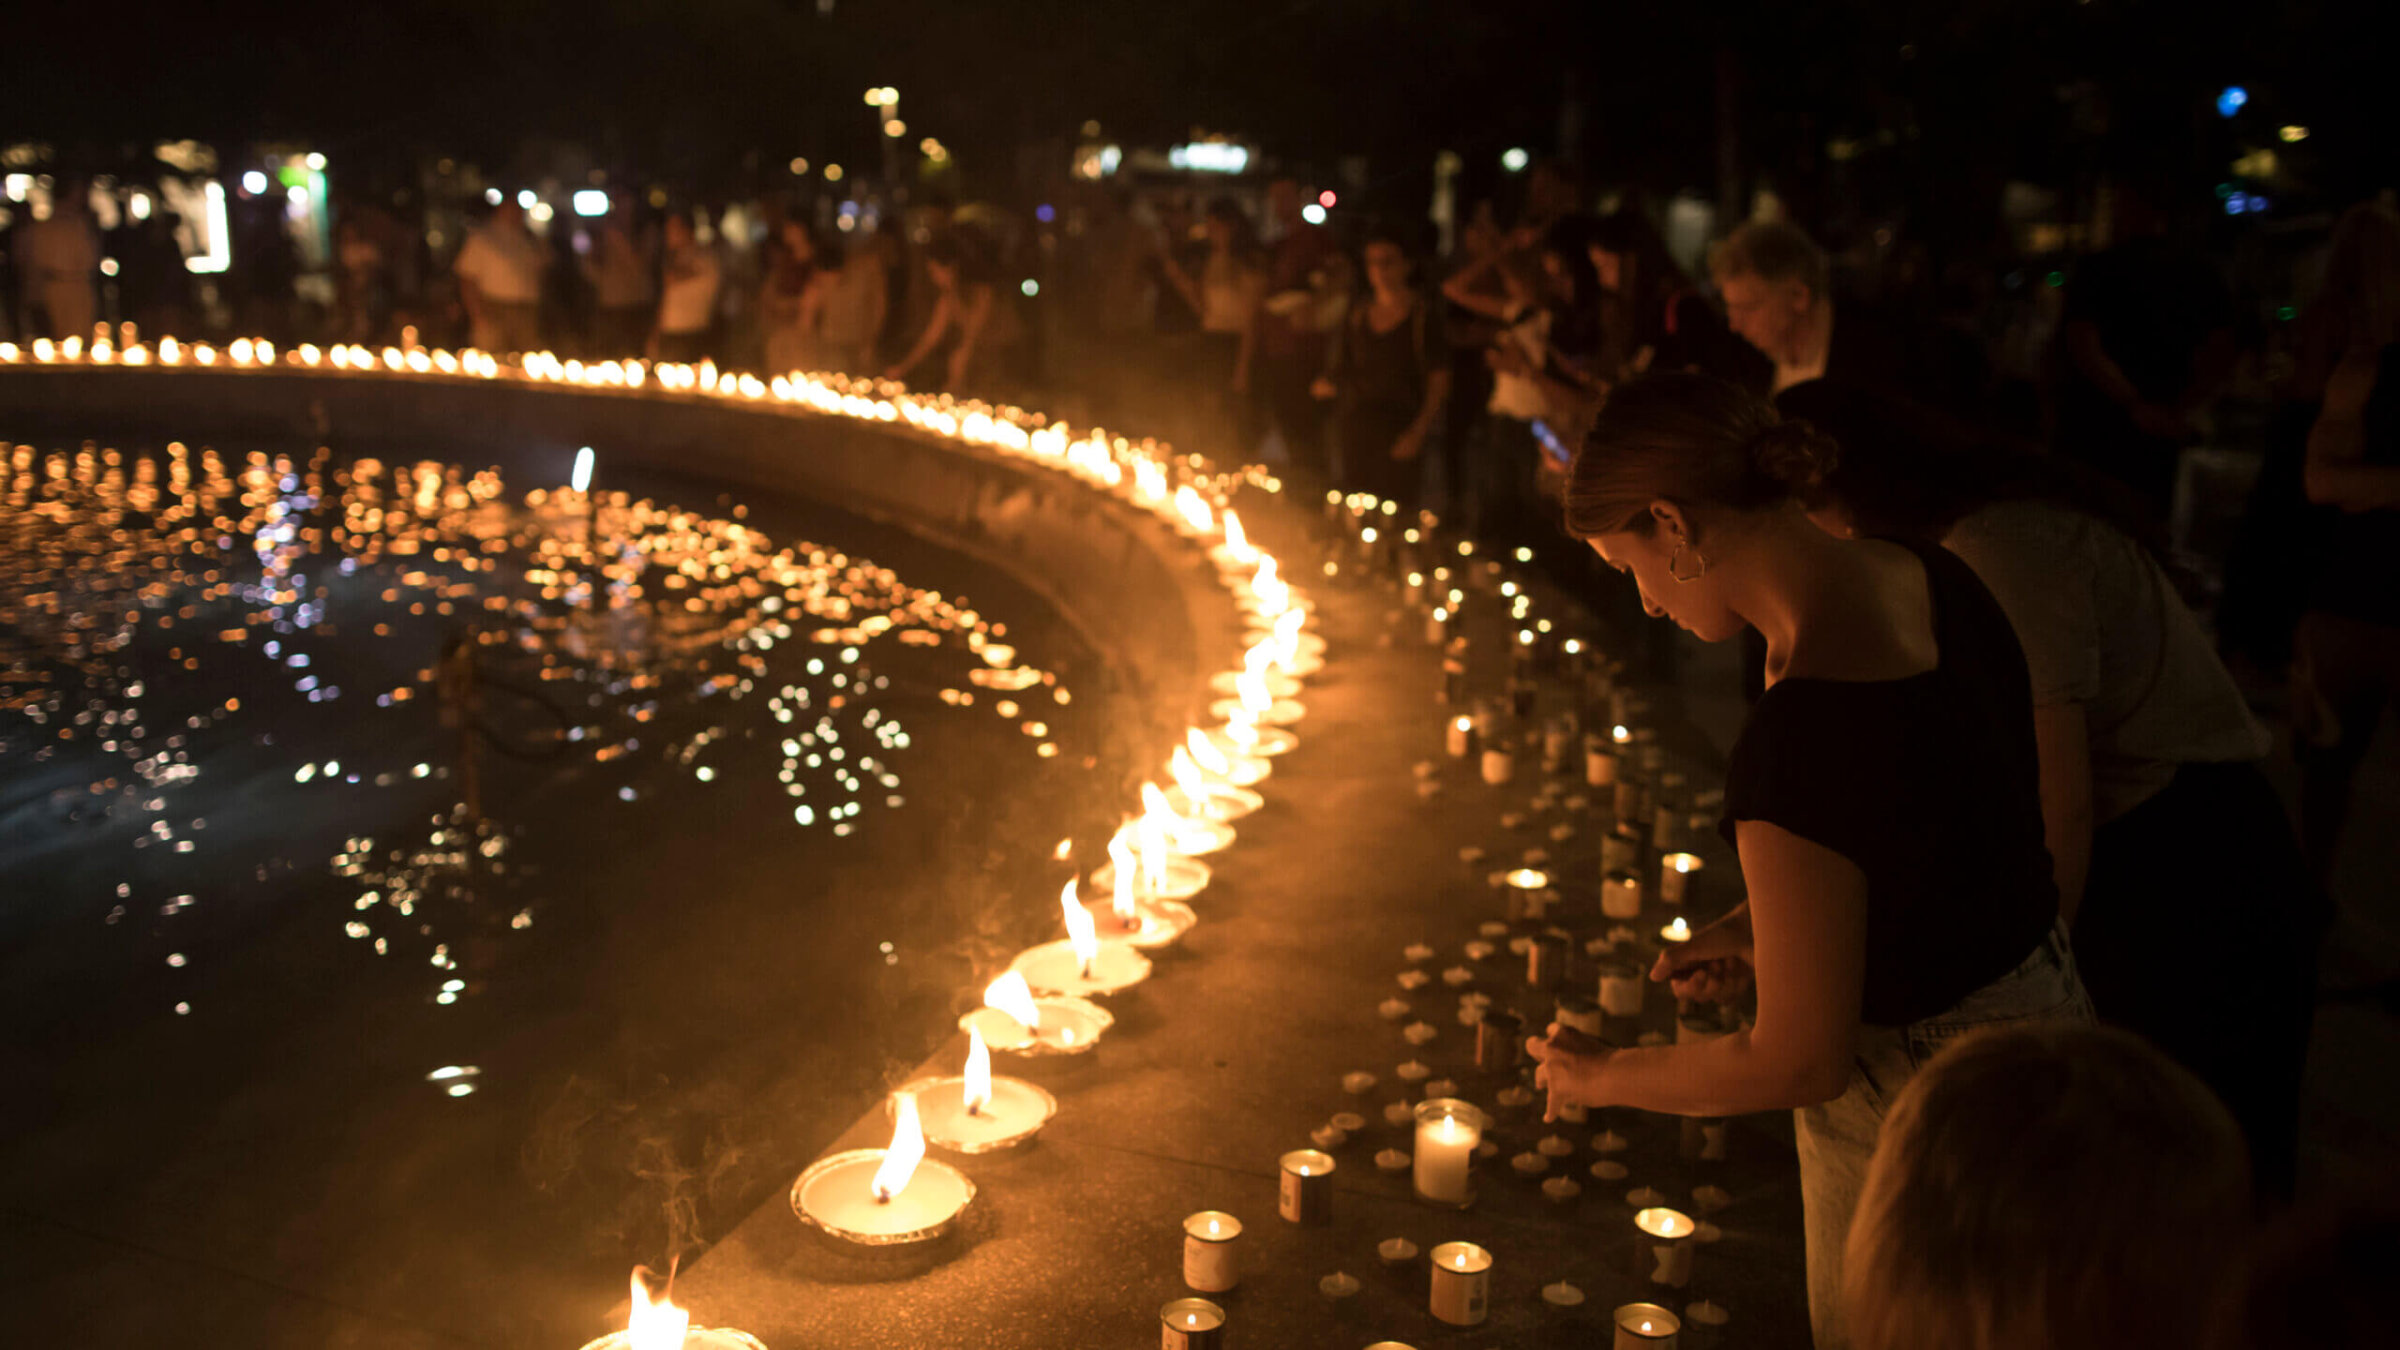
{"x":500,"y":282}
{"x":687,"y":300}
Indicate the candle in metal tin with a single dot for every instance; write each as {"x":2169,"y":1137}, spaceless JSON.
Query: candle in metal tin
{"x":1676,"y":877}
{"x":1621,"y":987}
{"x":1577,"y":1013}
{"x":1528,"y":893}
{"x":1307,"y":1187}
{"x":1437,"y":626}
{"x":1619,"y":852}
{"x":1499,"y":1040}
{"x":1191,"y":1324}
{"x":1210,"y":1253}
{"x":1499,"y":764}
{"x":1558,"y":736}
{"x":1646,"y":1326}
{"x":1454,"y":680}
{"x":1462,"y":1283}
{"x":978,"y":1112}
{"x":884,"y":1196}
{"x":1676,"y":933}
{"x":1546,"y":960}
{"x":1665,"y":1248}
{"x":1632,"y":806}
{"x":1458,"y":736}
{"x":1621,"y":895}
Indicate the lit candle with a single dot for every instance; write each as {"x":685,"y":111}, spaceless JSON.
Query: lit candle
{"x":879,"y":1197}
{"x":1459,"y":738}
{"x":977,"y":1112}
{"x":1208,"y":1251}
{"x":1499,"y":764}
{"x":1621,"y":895}
{"x":1646,"y":1326}
{"x":1666,"y":1246}
{"x":1462,"y":1283}
{"x":1447,"y":1132}
{"x":655,"y":1323}
{"x":1307,"y":1188}
{"x":1676,"y":932}
{"x":1675,"y":877}
{"x":1191,"y":1324}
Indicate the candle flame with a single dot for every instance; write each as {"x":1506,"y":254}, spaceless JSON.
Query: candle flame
{"x":1287,"y":637}
{"x":1252,"y":687}
{"x":1242,"y":731}
{"x":1237,"y":540}
{"x":1150,"y":838}
{"x":1678,"y":931}
{"x":1120,"y":861}
{"x":907,"y":1150}
{"x":1205,"y":753}
{"x":654,"y":1325}
{"x":1466,"y":724}
{"x":978,"y":1090}
{"x":1064,"y":851}
{"x":1010,"y":994}
{"x":1620,"y":735}
{"x":1186,"y":773}
{"x":1081,"y":934}
{"x":1194,"y":511}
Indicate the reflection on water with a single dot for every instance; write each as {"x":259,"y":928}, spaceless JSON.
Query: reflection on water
{"x":205,"y":654}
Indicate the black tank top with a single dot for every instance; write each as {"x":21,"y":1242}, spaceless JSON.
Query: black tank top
{"x":1930,"y":785}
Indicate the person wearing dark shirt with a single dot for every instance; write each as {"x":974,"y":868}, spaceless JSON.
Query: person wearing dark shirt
{"x":1388,"y":379}
{"x":2146,"y":337}
{"x":1290,"y":347}
{"x":1882,"y":796}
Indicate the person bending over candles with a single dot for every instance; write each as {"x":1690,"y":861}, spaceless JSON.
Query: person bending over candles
{"x":2048,"y":1188}
{"x":1882,"y":796}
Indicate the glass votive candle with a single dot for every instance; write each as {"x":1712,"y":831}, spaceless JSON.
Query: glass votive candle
{"x":1646,"y":1326}
{"x":1462,"y":1283}
{"x":1307,"y":1187}
{"x":1209,"y":1239}
{"x":1675,"y":877}
{"x":1447,"y":1132}
{"x":1191,"y":1324}
{"x":1666,"y":1246}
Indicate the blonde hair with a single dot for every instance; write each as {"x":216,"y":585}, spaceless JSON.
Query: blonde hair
{"x":2046,"y":1188}
{"x":1771,"y":250}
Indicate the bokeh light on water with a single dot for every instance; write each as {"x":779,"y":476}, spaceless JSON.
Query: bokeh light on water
{"x":200,"y":653}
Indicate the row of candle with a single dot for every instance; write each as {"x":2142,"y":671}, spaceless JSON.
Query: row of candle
{"x":894,"y":1194}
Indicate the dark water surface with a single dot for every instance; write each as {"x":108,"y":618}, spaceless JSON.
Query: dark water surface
{"x":300,"y":1050}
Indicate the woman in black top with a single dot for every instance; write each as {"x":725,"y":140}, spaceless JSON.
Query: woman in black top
{"x":1882,"y":796}
{"x":1388,"y":377}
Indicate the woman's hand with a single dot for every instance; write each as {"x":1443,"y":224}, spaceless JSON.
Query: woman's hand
{"x":1570,"y":1068}
{"x":1714,"y":966}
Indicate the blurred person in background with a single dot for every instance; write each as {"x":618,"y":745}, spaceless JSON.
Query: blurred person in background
{"x":852,"y":297}
{"x":2047,"y":1188}
{"x":1224,"y":291}
{"x":687,"y":300}
{"x":363,"y":290}
{"x":499,"y":272}
{"x":1388,"y":377}
{"x":2145,"y":340}
{"x":58,"y":266}
{"x":788,"y":303}
{"x":1291,"y":333}
{"x":971,"y":319}
{"x":620,"y":269}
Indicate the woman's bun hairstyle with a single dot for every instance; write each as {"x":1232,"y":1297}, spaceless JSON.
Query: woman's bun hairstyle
{"x":1794,"y":453}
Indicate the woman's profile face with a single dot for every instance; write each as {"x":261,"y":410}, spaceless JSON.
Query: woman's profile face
{"x":1697,"y":606}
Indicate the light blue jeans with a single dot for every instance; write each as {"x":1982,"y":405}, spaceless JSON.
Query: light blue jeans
{"x":1836,"y":1138}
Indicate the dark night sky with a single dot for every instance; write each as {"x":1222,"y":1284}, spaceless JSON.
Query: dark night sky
{"x":689,"y":87}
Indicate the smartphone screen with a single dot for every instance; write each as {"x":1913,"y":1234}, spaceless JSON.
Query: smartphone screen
{"x":1552,"y":447}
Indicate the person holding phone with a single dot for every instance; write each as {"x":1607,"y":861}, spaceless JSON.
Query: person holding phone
{"x":1883,"y":796}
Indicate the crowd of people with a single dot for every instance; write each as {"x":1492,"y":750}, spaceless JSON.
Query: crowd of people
{"x":1997,"y":786}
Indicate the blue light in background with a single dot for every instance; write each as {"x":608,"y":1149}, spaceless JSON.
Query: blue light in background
{"x":2230,"y":101}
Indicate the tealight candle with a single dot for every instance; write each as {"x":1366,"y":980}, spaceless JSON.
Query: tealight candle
{"x":1462,"y":1283}
{"x":1447,"y":1132}
{"x":1646,"y":1326}
{"x":1621,"y":896}
{"x":1209,"y":1253}
{"x":1396,"y":1251}
{"x":1458,"y":737}
{"x":1499,"y":765}
{"x":1307,"y":1190}
{"x":1562,"y":1295}
{"x":1676,"y":932}
{"x":980,"y":1113}
{"x":1191,"y":1324}
{"x":1666,"y":1246}
{"x":1675,"y":878}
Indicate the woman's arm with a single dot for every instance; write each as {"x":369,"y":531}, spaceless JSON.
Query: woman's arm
{"x":1808,"y":918}
{"x":973,"y":314}
{"x":2338,"y":473}
{"x":1460,"y":290}
{"x":2064,"y":743}
{"x":936,"y":324}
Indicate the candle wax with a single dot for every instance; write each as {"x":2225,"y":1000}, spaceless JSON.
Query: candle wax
{"x":1017,"y":1109}
{"x":842,"y":1198}
{"x":1068,"y":1026}
{"x":1185,"y":878}
{"x":1054,"y":968}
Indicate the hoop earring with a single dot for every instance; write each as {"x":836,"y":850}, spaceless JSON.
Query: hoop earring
{"x":1678,"y":557}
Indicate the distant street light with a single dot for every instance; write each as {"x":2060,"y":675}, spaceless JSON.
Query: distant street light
{"x":1514,"y":159}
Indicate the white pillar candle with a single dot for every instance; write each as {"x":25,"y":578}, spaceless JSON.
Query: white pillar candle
{"x":1209,"y":1239}
{"x":1666,"y":1246}
{"x":1675,"y":877}
{"x":1499,"y":765}
{"x":1459,"y":737}
{"x":1447,"y":1133}
{"x":1621,"y":896}
{"x":1462,"y":1283}
{"x":1646,"y":1326}
{"x":1191,"y":1324}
